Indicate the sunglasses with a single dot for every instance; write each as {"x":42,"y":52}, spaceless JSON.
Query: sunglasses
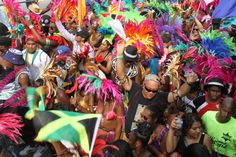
{"x":149,"y":90}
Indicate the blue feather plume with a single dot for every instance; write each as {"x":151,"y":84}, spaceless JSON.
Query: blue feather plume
{"x":217,"y":47}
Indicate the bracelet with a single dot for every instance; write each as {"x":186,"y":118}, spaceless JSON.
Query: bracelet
{"x":119,"y":57}
{"x":31,"y":26}
{"x":47,"y":45}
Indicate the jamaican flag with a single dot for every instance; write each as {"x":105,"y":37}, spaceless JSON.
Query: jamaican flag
{"x":57,"y":125}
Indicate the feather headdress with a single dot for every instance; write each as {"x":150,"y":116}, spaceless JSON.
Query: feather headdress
{"x":204,"y":5}
{"x":142,"y":36}
{"x":105,"y":29}
{"x":49,"y":73}
{"x":132,"y":15}
{"x":172,"y":70}
{"x":163,"y":7}
{"x":222,"y":68}
{"x":218,"y":44}
{"x":169,"y":24}
{"x":104,"y":88}
{"x":13,"y":10}
{"x":209,"y":66}
{"x":227,"y":22}
{"x":66,"y":9}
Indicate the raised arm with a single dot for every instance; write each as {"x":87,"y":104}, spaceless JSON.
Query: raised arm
{"x":184,"y":89}
{"x":62,"y":29}
{"x":64,"y":32}
{"x":42,"y":41}
{"x":172,"y":138}
{"x":125,"y":81}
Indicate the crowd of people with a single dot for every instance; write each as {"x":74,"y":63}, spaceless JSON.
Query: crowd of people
{"x":161,"y":74}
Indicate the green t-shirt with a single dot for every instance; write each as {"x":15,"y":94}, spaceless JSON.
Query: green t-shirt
{"x":223,"y":135}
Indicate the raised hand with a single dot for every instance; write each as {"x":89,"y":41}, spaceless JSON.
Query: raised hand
{"x":191,"y":77}
{"x":120,"y":47}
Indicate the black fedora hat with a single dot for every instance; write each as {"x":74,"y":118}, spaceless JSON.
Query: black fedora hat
{"x":216,"y":82}
{"x":130,"y":53}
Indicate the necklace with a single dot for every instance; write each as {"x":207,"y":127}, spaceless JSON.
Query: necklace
{"x":33,"y":58}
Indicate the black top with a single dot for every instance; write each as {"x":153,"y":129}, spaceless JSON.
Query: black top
{"x":181,"y":147}
{"x":137,"y":102}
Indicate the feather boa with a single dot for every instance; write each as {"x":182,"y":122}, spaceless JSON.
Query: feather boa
{"x":104,"y":88}
{"x":12,"y":101}
{"x":10,"y":124}
{"x":13,"y":10}
{"x":218,"y":44}
{"x":9,"y":77}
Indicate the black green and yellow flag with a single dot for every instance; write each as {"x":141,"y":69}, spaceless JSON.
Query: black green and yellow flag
{"x":58,"y":125}
{"x":79,"y":128}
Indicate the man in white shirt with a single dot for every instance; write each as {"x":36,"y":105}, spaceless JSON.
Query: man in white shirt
{"x":35,"y":58}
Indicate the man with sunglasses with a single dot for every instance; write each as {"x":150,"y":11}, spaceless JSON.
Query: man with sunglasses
{"x":148,"y":93}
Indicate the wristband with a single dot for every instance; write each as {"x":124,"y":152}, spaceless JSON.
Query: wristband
{"x":119,"y":57}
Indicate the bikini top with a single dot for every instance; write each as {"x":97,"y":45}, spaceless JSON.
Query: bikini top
{"x":110,"y":115}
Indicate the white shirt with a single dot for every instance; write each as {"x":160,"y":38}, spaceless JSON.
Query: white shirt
{"x":76,"y":47}
{"x":38,"y":64}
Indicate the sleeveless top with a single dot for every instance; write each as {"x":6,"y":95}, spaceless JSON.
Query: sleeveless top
{"x":181,"y":147}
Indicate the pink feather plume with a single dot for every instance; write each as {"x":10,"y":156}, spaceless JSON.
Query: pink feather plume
{"x":10,"y":124}
{"x":104,"y":88}
{"x":13,"y":9}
